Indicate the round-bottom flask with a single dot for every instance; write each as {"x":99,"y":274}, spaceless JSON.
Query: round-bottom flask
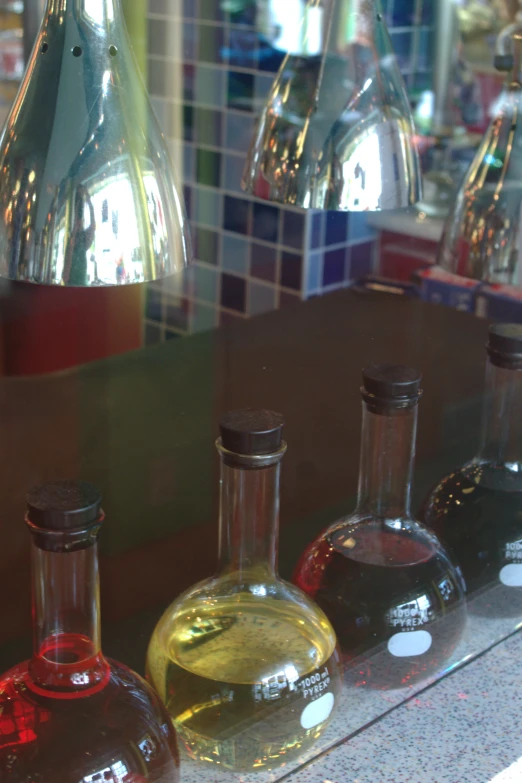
{"x":391,"y":592}
{"x":245,"y":662}
{"x":477,"y":509}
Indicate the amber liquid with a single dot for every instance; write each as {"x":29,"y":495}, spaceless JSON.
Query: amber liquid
{"x":249,"y":683}
{"x":393,"y":598}
{"x":112,"y":728}
{"x":477,"y":513}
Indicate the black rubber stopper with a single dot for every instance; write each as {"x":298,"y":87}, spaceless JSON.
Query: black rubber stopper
{"x":388,"y":386}
{"x":250,"y":432}
{"x":64,"y":516}
{"x":505,"y":345}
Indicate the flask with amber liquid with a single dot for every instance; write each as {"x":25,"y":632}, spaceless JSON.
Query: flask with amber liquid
{"x":395,"y":599}
{"x":246,"y":663}
{"x":70,"y":715}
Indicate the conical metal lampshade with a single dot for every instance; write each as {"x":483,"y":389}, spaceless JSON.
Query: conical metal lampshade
{"x":87,"y":192}
{"x":481,"y":237}
{"x":337,"y":131}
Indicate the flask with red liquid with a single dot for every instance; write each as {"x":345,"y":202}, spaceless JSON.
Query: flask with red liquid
{"x":70,"y":715}
{"x":394,"y":598}
{"x":476,"y":510}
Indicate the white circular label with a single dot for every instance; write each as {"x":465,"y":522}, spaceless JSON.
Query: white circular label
{"x":317,"y":711}
{"x":511,"y":575}
{"x":409,"y":643}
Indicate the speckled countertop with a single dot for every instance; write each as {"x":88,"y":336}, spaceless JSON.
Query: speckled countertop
{"x":467,"y":728}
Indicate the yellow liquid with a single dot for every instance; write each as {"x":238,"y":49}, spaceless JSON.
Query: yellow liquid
{"x":249,"y":684}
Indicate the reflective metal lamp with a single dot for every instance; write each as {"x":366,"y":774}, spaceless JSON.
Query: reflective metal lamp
{"x":337,"y":132}
{"x":87,"y":191}
{"x":482,"y":235}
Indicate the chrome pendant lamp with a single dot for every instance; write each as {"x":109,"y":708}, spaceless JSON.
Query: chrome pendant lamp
{"x":87,"y":191}
{"x":337,"y":131}
{"x":482,"y":235}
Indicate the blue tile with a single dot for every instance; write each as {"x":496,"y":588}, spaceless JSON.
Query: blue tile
{"x":291,"y":271}
{"x":153,"y":309}
{"x":242,"y":47}
{"x":270,"y":59}
{"x":402,"y":46}
{"x":247,"y":15}
{"x":239,"y":131}
{"x":190,"y":9}
{"x":209,"y":86}
{"x":204,"y":283}
{"x":190,"y":41}
{"x":336,"y":228}
{"x":237,"y":212}
{"x":294,"y":227}
{"x":233,"y":292}
{"x":203,"y":318}
{"x":207,"y":207}
{"x":316,"y":238}
{"x":234,"y":254}
{"x":425,"y":54}
{"x":240,"y":91}
{"x":266,"y":222}
{"x":234,"y":165}
{"x":428,"y":11}
{"x":264,"y":262}
{"x":333,"y":271}
{"x":403,"y":14}
{"x":358,"y":227}
{"x":314,"y":275}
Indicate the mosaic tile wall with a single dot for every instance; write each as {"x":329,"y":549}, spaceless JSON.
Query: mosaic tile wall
{"x":209,"y":71}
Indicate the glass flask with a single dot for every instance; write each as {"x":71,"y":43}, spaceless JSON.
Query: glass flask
{"x":391,"y":592}
{"x":70,"y":715}
{"x":245,"y":662}
{"x":477,"y":509}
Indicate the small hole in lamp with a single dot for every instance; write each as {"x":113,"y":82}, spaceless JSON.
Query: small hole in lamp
{"x":45,"y":48}
{"x":77,"y":51}
{"x":113,"y":51}
{"x":379,"y":17}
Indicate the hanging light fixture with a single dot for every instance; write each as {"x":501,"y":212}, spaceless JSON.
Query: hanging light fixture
{"x":337,"y":132}
{"x":87,"y":192}
{"x":482,"y":234}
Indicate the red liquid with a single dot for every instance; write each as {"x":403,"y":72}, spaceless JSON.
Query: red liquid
{"x":393,"y":598}
{"x":85,"y":719}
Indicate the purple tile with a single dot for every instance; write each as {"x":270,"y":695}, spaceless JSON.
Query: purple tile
{"x":294,"y":226}
{"x":266,"y":222}
{"x":336,"y":228}
{"x":237,"y":215}
{"x":333,"y":271}
{"x":264,"y":262}
{"x":361,"y":260}
{"x":187,"y":195}
{"x":291,"y":271}
{"x":242,"y":47}
{"x":233,"y":293}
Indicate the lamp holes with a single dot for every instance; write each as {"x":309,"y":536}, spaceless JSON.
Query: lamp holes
{"x":45,"y":48}
{"x":113,"y":51}
{"x":77,"y":51}
{"x":379,"y":17}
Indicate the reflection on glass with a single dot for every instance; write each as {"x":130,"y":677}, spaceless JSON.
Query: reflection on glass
{"x":87,"y":195}
{"x":336,"y":132}
{"x":477,"y":508}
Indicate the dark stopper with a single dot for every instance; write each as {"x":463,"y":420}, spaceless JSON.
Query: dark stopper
{"x":505,"y":345}
{"x":252,"y":432}
{"x":64,"y":515}
{"x":388,"y":386}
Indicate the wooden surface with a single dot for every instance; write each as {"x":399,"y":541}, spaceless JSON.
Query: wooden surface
{"x":143,"y":426}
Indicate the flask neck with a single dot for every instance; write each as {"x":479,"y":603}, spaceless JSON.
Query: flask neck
{"x":501,"y":441}
{"x":67,"y":654}
{"x":98,"y":12}
{"x":249,"y":519}
{"x":386,"y":466}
